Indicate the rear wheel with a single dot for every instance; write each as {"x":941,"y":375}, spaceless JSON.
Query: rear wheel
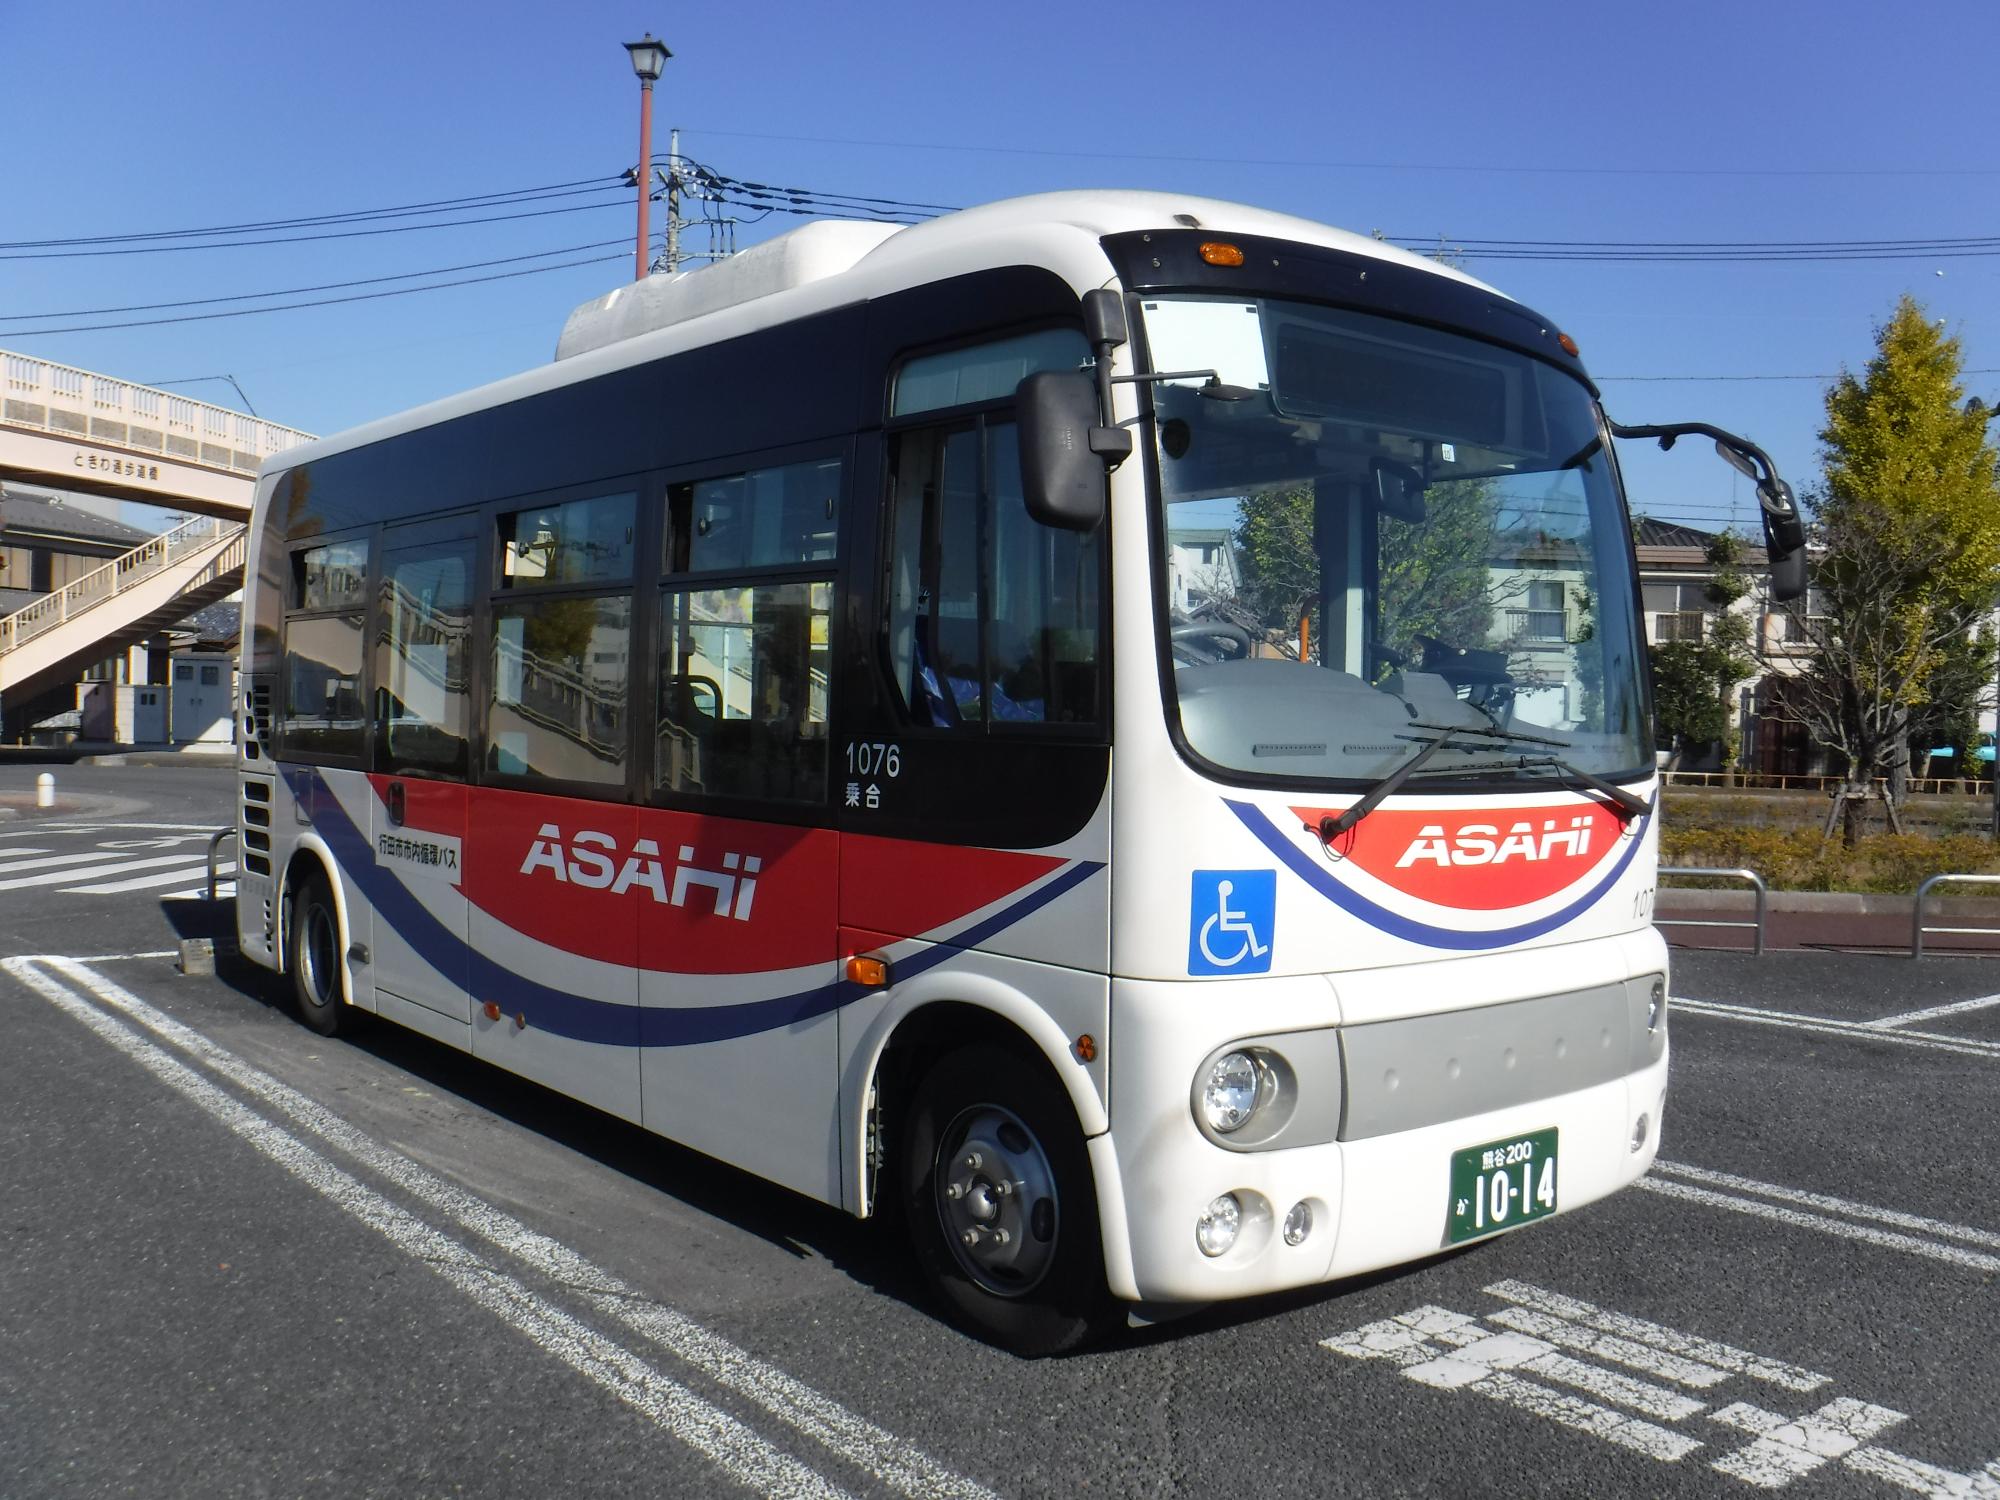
{"x":315,"y":957}
{"x":1001,"y":1208}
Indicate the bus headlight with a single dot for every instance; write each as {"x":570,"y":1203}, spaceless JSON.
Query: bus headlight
{"x":1236,"y":1087}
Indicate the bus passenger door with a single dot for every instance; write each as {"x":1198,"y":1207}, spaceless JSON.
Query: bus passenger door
{"x":420,"y":955}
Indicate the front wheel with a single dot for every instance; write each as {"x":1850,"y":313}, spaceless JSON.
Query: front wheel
{"x":315,"y":957}
{"x":1001,"y":1208}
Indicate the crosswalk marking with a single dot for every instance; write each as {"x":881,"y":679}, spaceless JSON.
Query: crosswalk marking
{"x":19,"y":853}
{"x":141,"y":883}
{"x":116,"y":867}
{"x":50,"y":862}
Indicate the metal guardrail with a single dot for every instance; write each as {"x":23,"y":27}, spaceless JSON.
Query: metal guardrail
{"x":214,"y":849}
{"x":1759,"y":781}
{"x":1756,"y":926}
{"x":115,"y":577}
{"x":1917,"y":928}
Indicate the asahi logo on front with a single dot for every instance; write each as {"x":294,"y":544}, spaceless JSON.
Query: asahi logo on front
{"x":1483,"y":843}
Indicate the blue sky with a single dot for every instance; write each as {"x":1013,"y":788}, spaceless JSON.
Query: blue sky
{"x":1698,"y":122}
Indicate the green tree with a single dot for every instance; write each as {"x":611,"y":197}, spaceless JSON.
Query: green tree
{"x":1686,"y":710}
{"x":1908,"y":537}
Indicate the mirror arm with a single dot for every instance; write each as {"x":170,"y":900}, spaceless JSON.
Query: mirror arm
{"x":1784,"y":533}
{"x":1104,"y":325}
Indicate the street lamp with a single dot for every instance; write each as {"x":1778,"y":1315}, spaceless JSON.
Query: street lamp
{"x":649,"y":60}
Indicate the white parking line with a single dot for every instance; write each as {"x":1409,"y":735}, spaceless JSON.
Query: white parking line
{"x":1941,"y":1228}
{"x":1972,"y":1260}
{"x":1958,"y":1008}
{"x":1822,"y":1025}
{"x":746,"y":1457}
{"x":891,"y":1459}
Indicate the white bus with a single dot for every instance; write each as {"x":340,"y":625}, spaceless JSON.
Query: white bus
{"x":1109,"y":728}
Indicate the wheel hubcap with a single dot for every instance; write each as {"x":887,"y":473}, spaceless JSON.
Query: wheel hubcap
{"x":996,"y":1199}
{"x":318,"y":954}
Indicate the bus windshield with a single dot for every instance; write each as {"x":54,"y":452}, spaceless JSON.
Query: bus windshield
{"x":1372,"y":526}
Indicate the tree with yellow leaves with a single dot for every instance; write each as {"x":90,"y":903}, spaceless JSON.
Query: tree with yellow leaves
{"x":1907,"y":544}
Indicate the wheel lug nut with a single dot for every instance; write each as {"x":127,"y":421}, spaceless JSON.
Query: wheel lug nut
{"x":1002,"y":1188}
{"x":970,"y":1238}
{"x":954,"y":1190}
{"x":973,"y":1161}
{"x":1001,"y":1237}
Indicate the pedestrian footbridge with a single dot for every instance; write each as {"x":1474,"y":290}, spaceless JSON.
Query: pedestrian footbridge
{"x":74,"y":430}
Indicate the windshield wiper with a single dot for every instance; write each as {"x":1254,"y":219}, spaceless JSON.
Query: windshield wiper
{"x":1331,"y":827}
{"x":1629,"y":804}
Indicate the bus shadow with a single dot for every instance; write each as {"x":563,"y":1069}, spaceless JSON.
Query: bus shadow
{"x":871,"y":1253}
{"x":866,"y":1250}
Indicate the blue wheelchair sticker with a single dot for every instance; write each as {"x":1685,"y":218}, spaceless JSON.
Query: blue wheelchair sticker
{"x":1232,"y":921}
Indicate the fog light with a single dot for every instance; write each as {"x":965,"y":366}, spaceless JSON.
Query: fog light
{"x":1639,"y":1132}
{"x":1298,"y":1223}
{"x":1656,"y":1006}
{"x":1215,"y":1231}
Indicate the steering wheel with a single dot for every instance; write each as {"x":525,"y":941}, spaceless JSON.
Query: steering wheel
{"x":1214,"y":630}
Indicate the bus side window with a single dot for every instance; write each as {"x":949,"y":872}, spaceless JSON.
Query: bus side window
{"x":322,"y":713}
{"x":993,"y":618}
{"x":420,"y":668}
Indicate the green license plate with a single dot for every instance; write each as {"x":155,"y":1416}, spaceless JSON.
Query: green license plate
{"x":1501,"y":1185}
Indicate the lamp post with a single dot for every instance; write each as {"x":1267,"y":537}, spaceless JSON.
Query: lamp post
{"x":1975,"y":407}
{"x":649,"y":60}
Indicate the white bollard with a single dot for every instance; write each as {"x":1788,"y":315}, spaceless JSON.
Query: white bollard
{"x":45,"y":790}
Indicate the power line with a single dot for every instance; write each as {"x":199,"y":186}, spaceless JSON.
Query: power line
{"x":1636,"y":379}
{"x":296,"y":291}
{"x":1366,"y":166}
{"x":301,"y":239}
{"x":247,"y":312}
{"x":435,"y":205}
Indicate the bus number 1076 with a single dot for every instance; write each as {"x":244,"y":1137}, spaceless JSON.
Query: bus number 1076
{"x":874,"y":758}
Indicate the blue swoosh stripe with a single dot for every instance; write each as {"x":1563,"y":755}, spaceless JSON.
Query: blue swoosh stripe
{"x":603,"y":1021}
{"x":1359,"y":905}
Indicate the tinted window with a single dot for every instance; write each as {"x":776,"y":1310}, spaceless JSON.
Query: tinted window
{"x":762,"y":518}
{"x":421,"y":656}
{"x":323,"y":712}
{"x":560,"y":668}
{"x":993,"y":617}
{"x":983,"y":372}
{"x":574,"y":541}
{"x":743,"y":675}
{"x":331,"y":576}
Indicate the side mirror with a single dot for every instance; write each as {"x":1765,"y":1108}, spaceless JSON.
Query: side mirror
{"x":1062,"y":471}
{"x":1788,"y":574}
{"x":1399,"y":490}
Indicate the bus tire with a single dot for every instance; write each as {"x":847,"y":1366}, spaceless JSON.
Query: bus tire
{"x":314,"y":957}
{"x":999,"y":1201}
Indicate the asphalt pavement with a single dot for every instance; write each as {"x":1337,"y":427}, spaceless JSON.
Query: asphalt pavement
{"x":243,"y":1260}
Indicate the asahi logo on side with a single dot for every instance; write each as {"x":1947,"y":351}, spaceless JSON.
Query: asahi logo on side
{"x":595,"y":862}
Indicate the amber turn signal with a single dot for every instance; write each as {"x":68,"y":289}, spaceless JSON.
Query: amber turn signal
{"x":1086,"y":1048}
{"x":1568,"y":345}
{"x":492,"y":1011}
{"x":1216,"y":253}
{"x":869,"y":973}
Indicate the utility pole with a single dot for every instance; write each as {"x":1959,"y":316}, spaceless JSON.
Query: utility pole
{"x":673,"y":200}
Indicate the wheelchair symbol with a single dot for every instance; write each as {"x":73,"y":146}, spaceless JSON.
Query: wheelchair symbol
{"x":1231,"y":918}
{"x":1236,"y":924}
